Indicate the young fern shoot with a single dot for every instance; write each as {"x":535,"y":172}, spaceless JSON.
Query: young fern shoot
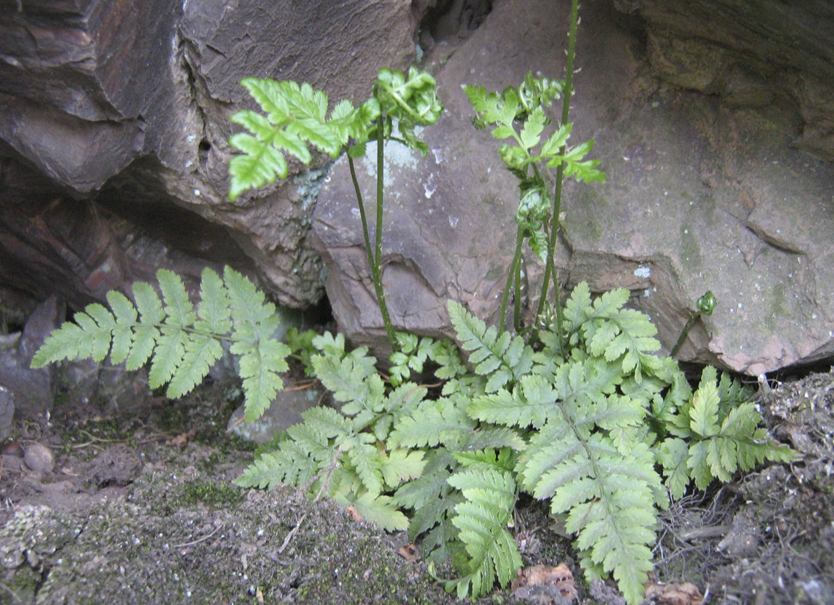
{"x":295,"y":118}
{"x":518,"y":113}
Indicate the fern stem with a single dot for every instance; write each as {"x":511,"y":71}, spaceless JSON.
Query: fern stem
{"x":517,"y":297}
{"x":380,"y":186}
{"x":560,"y":170}
{"x":362,"y":215}
{"x":519,"y":240}
{"x":682,"y":337}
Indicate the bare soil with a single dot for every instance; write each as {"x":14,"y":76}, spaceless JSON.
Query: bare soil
{"x":137,"y":506}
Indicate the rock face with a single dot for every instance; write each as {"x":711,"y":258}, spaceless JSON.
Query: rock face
{"x":751,"y":54}
{"x":713,"y":120}
{"x":128,"y":112}
{"x":705,"y":191}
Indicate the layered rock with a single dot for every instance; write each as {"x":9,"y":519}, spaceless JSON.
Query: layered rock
{"x":126,"y":105}
{"x":701,"y":194}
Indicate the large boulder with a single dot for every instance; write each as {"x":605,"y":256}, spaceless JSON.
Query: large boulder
{"x":116,"y":114}
{"x":707,"y":189}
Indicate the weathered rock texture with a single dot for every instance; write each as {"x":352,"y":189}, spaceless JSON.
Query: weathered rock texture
{"x":705,"y":190}
{"x":713,"y":120}
{"x":125,"y":105}
{"x":750,"y":54}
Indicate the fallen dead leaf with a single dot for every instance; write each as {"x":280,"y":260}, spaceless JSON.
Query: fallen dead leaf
{"x":354,"y":514}
{"x":545,"y":585}
{"x":675,"y":594}
{"x":409,"y":552}
{"x":182,"y":439}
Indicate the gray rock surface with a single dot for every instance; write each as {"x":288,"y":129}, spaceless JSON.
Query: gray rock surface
{"x":702,"y":194}
{"x":31,"y":390}
{"x":6,"y":411}
{"x":713,"y":119}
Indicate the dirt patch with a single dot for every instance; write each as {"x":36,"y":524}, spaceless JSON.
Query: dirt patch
{"x":140,"y":508}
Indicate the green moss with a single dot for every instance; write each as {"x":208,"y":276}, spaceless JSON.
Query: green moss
{"x":210,"y":494}
{"x":777,"y":305}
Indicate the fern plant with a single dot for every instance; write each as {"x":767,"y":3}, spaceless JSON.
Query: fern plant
{"x":295,"y":118}
{"x":602,"y":428}
{"x":606,"y":433}
{"x":518,"y":114}
{"x":181,"y":342}
{"x":582,"y":413}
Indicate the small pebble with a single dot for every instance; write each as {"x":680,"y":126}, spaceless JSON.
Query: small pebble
{"x":39,"y":458}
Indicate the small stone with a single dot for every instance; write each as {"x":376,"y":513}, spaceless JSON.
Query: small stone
{"x":39,"y":458}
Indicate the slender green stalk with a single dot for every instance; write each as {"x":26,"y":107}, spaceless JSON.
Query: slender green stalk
{"x":704,"y":306}
{"x":377,"y":256}
{"x":374,"y":252}
{"x":692,"y":319}
{"x":517,"y":298}
{"x":364,"y":218}
{"x":519,"y":240}
{"x":560,"y":170}
{"x":380,"y":192}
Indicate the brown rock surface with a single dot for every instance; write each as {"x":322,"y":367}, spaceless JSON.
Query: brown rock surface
{"x":701,"y":194}
{"x":126,"y":104}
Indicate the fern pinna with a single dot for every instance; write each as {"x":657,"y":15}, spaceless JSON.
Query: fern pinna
{"x":181,"y":342}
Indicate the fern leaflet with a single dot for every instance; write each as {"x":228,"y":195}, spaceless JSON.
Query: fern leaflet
{"x":181,"y":342}
{"x":482,"y":519}
{"x":503,"y":359}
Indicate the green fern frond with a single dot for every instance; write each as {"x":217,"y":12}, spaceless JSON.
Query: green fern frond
{"x":430,"y":496}
{"x":604,"y":329}
{"x":367,"y":461}
{"x":291,"y":464}
{"x":673,"y":454}
{"x":492,"y":437}
{"x":608,"y":497}
{"x":401,"y":465}
{"x":145,"y":332}
{"x":502,"y":358}
{"x":400,"y":402}
{"x":181,"y":342}
{"x":295,"y":117}
{"x":724,"y":435}
{"x":482,"y":519}
{"x":503,"y":459}
{"x":433,"y":422}
{"x":531,"y":403}
{"x":353,"y":382}
{"x":582,"y":460}
{"x":377,"y":509}
{"x":298,"y":459}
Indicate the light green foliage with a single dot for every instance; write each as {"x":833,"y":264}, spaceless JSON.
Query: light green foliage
{"x":501,"y":358}
{"x":294,"y":117}
{"x":482,"y":519}
{"x":589,"y":420}
{"x":518,"y":113}
{"x":181,"y":342}
{"x":595,"y":432}
{"x":717,"y":434}
{"x":409,"y":100}
{"x":580,"y":413}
